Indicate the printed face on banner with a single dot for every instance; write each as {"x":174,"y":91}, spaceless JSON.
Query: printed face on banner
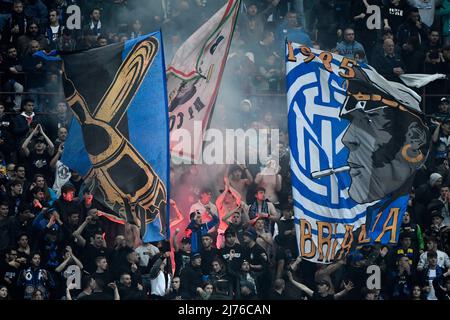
{"x":356,"y":141}
{"x":385,"y":140}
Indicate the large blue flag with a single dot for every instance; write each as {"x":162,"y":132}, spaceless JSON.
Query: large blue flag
{"x":120,"y":139}
{"x":356,"y":141}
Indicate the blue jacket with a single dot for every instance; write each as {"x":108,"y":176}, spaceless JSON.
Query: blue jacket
{"x":199,"y":230}
{"x":297,"y":35}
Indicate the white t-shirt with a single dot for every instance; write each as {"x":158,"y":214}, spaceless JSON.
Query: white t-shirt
{"x":431,"y":276}
{"x":55,"y":31}
{"x":159,"y":284}
{"x":144,"y":258}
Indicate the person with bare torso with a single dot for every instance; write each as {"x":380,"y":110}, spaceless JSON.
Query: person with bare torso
{"x":237,"y":182}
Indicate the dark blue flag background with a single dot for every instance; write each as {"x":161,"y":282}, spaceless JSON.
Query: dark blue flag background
{"x":119,"y":139}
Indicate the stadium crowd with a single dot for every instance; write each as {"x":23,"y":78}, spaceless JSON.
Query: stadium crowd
{"x":232,"y":226}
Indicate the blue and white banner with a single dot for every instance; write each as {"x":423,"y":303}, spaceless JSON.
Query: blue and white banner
{"x":356,"y":141}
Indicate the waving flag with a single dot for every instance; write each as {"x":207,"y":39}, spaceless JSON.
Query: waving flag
{"x":118,"y":95}
{"x":193,"y":80}
{"x":356,"y":141}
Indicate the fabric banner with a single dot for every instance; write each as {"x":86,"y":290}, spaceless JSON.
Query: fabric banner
{"x":120,"y":141}
{"x":356,"y":142}
{"x":418,"y":80}
{"x":193,"y":80}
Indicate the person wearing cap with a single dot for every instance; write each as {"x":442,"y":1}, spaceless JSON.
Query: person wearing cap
{"x":437,"y":227}
{"x":259,"y":262}
{"x":208,"y":253}
{"x":323,"y":289}
{"x":41,"y":156}
{"x":183,"y":254}
{"x":47,"y":218}
{"x":192,"y":277}
{"x":443,"y":111}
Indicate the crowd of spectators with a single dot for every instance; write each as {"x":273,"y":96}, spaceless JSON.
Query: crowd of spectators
{"x":232,"y":227}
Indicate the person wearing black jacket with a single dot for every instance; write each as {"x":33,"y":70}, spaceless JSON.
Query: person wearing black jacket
{"x":191,"y":277}
{"x":16,"y":24}
{"x":412,"y":27}
{"x":442,"y":292}
{"x":20,"y":223}
{"x":34,"y":66}
{"x":12,"y":66}
{"x":15,"y":197}
{"x":6,"y":138}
